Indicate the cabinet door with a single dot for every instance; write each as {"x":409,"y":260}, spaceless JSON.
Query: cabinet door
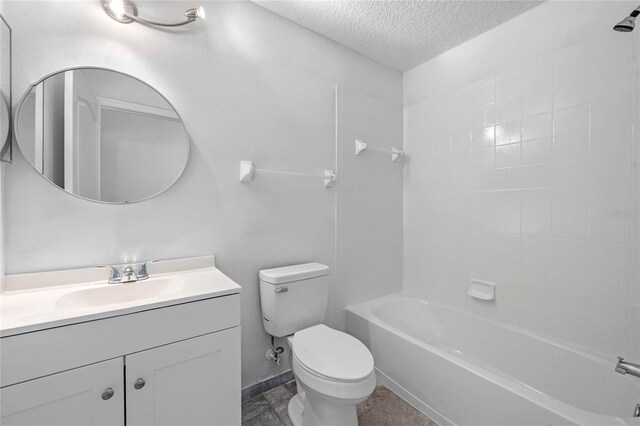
{"x":192,"y":382}
{"x":74,"y":397}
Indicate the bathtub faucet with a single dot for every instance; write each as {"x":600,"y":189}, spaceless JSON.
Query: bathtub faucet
{"x":624,"y":367}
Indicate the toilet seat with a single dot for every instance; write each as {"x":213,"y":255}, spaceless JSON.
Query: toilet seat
{"x":332,"y":355}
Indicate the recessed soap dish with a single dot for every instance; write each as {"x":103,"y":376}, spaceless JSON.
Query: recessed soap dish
{"x":483,"y":290}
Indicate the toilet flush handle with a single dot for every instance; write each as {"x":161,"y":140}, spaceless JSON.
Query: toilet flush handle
{"x":282,"y":289}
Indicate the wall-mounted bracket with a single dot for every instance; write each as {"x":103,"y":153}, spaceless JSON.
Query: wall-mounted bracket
{"x":396,"y":154}
{"x":247,"y":171}
{"x":329,"y":178}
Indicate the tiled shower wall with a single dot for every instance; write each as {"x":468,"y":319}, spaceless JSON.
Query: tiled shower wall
{"x":529,"y":178}
{"x":369,"y":207}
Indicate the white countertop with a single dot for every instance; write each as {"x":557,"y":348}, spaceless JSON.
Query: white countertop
{"x":37,"y":305}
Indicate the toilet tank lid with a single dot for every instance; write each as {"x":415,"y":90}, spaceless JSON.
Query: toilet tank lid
{"x":287,"y":274}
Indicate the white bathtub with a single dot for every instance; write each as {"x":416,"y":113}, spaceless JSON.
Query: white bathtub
{"x":461,"y":369}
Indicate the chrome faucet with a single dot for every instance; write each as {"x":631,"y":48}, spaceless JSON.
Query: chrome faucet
{"x":114,"y":276}
{"x":624,"y":367}
{"x":142,"y":273}
{"x":128,"y":275}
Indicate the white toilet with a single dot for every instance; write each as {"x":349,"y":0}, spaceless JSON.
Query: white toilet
{"x":333,"y":370}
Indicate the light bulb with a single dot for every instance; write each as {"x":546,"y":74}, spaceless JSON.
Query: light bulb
{"x":117,"y":7}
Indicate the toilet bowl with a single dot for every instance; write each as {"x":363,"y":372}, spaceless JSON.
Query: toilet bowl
{"x":334,"y":373}
{"x":333,"y":370}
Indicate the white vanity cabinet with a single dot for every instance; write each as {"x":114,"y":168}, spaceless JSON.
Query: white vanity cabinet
{"x":73,"y":397}
{"x":174,"y":365}
{"x":193,"y":382}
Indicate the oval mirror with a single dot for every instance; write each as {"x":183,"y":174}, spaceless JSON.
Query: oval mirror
{"x":101,"y":135}
{"x":4,"y":123}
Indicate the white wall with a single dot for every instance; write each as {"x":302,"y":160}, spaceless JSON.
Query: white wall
{"x":524,"y":171}
{"x":249,"y":86}
{"x":369,"y":211}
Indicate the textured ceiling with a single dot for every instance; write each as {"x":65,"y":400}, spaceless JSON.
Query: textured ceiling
{"x":399,"y":33}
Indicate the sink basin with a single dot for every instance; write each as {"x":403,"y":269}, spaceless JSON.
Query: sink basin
{"x":114,"y":294}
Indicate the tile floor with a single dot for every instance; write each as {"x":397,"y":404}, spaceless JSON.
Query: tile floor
{"x":383,"y":408}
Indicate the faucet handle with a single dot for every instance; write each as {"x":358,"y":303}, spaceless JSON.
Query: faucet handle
{"x":115,"y":274}
{"x":142,"y":271}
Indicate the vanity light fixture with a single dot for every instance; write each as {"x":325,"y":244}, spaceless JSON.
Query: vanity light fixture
{"x":126,"y":12}
{"x":628,"y":24}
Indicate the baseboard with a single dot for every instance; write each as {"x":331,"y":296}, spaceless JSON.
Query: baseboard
{"x":267,"y":384}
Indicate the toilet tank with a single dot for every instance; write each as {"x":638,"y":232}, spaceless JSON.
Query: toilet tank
{"x":293,"y":297}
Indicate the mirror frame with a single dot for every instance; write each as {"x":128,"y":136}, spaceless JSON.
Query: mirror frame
{"x":6,"y":146}
{"x":30,"y":88}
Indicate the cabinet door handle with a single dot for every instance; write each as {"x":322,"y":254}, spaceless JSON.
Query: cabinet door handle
{"x":107,"y":394}
{"x":139,"y":384}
